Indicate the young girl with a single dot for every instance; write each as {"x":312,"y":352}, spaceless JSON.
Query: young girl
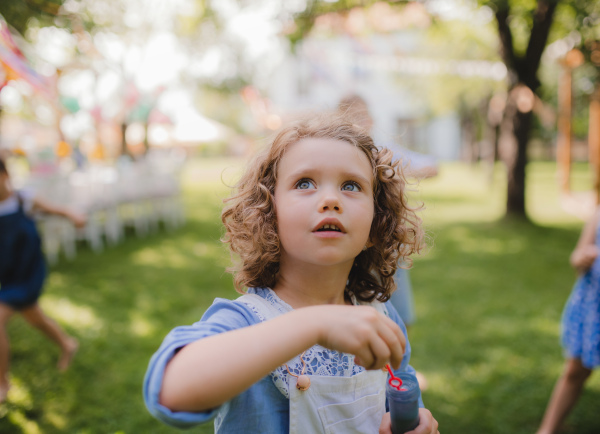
{"x":23,"y":271}
{"x":319,"y":223}
{"x":580,"y":328}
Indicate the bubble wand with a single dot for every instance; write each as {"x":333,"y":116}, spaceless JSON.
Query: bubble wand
{"x":394,"y":381}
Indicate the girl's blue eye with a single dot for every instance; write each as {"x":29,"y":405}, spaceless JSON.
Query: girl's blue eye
{"x":351,"y":186}
{"x":305,"y":184}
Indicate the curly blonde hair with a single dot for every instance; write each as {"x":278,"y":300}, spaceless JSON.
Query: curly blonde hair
{"x":250,"y":217}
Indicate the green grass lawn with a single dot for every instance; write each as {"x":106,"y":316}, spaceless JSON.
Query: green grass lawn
{"x":488,"y":292}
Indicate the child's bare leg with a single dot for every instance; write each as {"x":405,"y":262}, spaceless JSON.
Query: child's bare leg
{"x":37,"y":318}
{"x":565,"y":394}
{"x":6,"y":313}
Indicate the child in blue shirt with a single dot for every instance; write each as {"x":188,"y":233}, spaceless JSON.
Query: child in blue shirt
{"x":23,"y":271}
{"x":318,"y":224}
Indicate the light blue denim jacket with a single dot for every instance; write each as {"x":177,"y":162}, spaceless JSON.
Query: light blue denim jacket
{"x":260,"y":409}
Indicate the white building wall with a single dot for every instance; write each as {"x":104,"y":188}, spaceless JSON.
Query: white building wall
{"x":324,"y":71}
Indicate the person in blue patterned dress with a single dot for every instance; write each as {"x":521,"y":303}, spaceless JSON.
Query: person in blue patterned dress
{"x":580,"y":328}
{"x":23,"y":271}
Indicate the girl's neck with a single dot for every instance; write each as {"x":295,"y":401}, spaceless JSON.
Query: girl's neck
{"x":301,"y":287}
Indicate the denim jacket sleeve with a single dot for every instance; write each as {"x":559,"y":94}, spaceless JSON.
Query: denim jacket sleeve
{"x":222,"y":316}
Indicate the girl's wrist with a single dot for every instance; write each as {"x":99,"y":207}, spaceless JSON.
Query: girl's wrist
{"x":310,"y":319}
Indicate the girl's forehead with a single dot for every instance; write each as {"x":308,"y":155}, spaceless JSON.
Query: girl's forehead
{"x":323,"y":144}
{"x":324,"y":153}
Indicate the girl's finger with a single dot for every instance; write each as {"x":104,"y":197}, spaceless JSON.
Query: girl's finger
{"x":381,"y":352}
{"x":364,"y":357}
{"x":396,"y":330}
{"x":396,"y":342}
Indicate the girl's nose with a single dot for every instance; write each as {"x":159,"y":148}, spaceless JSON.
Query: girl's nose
{"x":331,"y":202}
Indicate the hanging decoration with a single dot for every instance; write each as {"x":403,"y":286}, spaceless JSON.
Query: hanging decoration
{"x":15,"y":65}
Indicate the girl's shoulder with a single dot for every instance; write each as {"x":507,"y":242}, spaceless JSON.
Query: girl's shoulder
{"x":264,"y":303}
{"x":226,"y":310}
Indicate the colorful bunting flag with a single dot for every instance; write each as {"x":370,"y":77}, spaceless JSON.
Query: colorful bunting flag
{"x":16,"y":66}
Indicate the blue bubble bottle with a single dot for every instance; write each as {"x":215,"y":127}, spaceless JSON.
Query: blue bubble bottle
{"x":403,"y":400}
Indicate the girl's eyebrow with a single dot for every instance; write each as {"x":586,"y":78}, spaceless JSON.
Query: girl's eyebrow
{"x":356,"y":177}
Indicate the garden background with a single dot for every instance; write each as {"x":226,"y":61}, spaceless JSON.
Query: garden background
{"x":90,"y":87}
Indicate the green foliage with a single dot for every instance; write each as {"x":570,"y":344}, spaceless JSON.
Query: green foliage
{"x":488,"y":296}
{"x":304,"y":20}
{"x":18,"y":12}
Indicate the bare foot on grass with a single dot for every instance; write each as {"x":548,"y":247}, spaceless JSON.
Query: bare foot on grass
{"x":67,"y":355}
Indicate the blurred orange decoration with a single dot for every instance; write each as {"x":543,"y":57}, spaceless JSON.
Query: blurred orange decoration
{"x":98,"y":153}
{"x":63,"y":149}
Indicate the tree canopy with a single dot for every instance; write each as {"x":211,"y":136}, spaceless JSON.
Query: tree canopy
{"x":18,"y":13}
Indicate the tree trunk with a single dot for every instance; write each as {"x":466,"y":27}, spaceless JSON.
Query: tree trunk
{"x":124,"y":148}
{"x":515,"y":202}
{"x":522,"y":71}
{"x":514,"y":138}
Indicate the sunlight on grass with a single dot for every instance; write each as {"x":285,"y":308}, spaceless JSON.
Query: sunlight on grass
{"x":78,"y":317}
{"x":461,"y":192}
{"x":140,"y":326}
{"x":543,"y":195}
{"x":468,"y":192}
{"x":496,"y":327}
{"x":472,"y":242}
{"x":21,"y":402}
{"x":494,"y":246}
{"x":203,"y":249}
{"x":497,"y":362}
{"x":27,"y":426}
{"x":176,"y":256}
{"x":59,"y":421}
{"x":545,"y":325}
{"x":20,"y":394}
{"x":445,"y":386}
{"x":160,"y":258}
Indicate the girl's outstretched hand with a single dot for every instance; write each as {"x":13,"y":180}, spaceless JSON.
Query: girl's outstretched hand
{"x":427,"y":425}
{"x":373,"y":338}
{"x":78,"y":220}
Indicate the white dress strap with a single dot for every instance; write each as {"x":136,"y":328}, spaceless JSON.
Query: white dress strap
{"x":263,"y":308}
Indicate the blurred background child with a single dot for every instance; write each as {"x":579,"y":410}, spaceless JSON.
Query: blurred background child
{"x":23,"y":271}
{"x":414,"y":165}
{"x":580,"y":329}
